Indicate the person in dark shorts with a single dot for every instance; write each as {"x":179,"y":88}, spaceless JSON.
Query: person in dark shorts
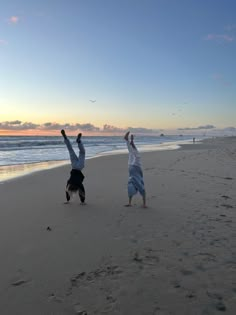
{"x":75,"y":182}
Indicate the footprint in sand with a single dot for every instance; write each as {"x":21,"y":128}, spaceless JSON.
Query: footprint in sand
{"x":79,"y":310}
{"x":227,"y":206}
{"x":225,"y":197}
{"x":186,"y":272}
{"x":147,"y":258}
{"x":20,"y":279}
{"x":84,"y":278}
{"x":19,"y":282}
{"x":103,"y":285}
{"x":219,"y":304}
{"x":190,"y":295}
{"x":53,"y":297}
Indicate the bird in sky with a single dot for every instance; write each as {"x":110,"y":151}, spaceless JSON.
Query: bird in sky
{"x":92,"y":101}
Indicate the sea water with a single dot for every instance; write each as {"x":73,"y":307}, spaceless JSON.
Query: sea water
{"x":20,"y":155}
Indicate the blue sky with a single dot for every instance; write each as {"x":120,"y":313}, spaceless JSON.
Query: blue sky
{"x":153,"y":65}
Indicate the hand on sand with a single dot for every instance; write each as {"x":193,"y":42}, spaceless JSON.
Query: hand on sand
{"x":126,"y":137}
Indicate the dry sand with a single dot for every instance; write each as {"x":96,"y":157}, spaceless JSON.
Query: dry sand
{"x":177,"y":257}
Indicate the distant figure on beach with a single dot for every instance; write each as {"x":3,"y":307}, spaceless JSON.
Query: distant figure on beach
{"x":75,"y":182}
{"x":193,"y":139}
{"x":135,"y":182}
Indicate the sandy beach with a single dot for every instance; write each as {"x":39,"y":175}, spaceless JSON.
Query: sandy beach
{"x":177,"y":257}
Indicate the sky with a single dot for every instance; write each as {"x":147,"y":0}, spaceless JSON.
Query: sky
{"x":106,"y":66}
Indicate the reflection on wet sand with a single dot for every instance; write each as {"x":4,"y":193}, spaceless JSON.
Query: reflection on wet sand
{"x":12,"y":171}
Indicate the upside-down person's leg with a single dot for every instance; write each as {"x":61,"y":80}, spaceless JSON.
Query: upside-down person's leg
{"x":73,"y":156}
{"x":132,"y":142}
{"x":81,"y":157}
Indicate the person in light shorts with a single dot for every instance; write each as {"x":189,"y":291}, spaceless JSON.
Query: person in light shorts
{"x":136,"y":181}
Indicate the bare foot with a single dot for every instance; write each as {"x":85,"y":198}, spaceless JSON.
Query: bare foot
{"x":79,"y":137}
{"x":63,"y":133}
{"x":126,"y":137}
{"x":132,"y":141}
{"x":128,"y":205}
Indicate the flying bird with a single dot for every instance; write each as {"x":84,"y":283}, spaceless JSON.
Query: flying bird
{"x":92,"y":101}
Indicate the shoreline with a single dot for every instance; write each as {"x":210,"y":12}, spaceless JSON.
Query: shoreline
{"x":11,"y":172}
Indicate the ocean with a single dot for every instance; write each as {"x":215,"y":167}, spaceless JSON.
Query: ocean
{"x":21,"y":155}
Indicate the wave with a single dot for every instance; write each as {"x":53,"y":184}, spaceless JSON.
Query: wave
{"x":24,"y":150}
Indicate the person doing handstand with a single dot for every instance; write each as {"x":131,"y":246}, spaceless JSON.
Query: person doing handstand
{"x":135,"y":182}
{"x":75,"y":182}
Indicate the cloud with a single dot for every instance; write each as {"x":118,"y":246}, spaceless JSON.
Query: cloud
{"x":14,"y":122}
{"x":54,"y":127}
{"x":110,"y":128}
{"x":219,"y":38}
{"x":227,"y":131}
{"x":198,"y":128}
{"x":218,"y":77}
{"x":230,"y":27}
{"x":13,"y":19}
{"x":3,"y":42}
{"x":51,"y":126}
{"x":88,"y":127}
{"x":17,"y":125}
{"x":140,"y":130}
{"x":231,"y":129}
{"x":69,"y":127}
{"x":48,"y":126}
